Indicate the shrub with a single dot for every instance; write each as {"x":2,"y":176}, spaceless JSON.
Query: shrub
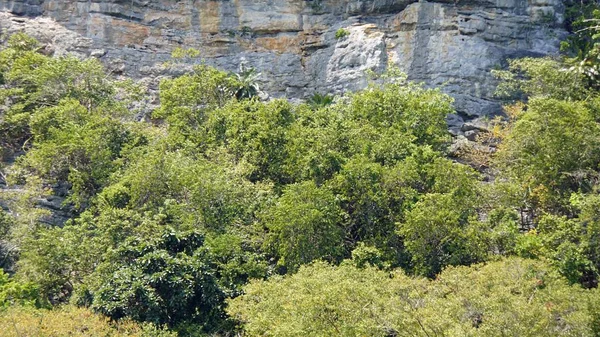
{"x":341,"y":33}
{"x":305,"y":225}
{"x":70,"y":321}
{"x":168,"y":280}
{"x":512,"y":297}
{"x":318,"y":100}
{"x":17,"y":293}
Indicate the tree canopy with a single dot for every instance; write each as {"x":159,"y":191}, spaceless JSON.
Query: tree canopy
{"x":222,"y":213}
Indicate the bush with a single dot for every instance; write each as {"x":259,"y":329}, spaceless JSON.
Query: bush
{"x":168,"y":280}
{"x":341,"y":33}
{"x":305,"y":225}
{"x":550,"y":151}
{"x":440,"y":231}
{"x":513,"y":297}
{"x":17,"y":293}
{"x":72,"y":322}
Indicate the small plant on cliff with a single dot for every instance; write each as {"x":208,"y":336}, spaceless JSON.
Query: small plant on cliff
{"x":246,"y":31}
{"x":248,"y":85}
{"x":318,"y":100}
{"x":341,"y":33}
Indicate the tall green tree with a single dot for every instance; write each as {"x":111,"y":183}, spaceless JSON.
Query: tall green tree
{"x":305,"y":224}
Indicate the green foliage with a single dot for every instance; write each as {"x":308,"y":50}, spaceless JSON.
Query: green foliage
{"x":358,"y":184}
{"x":13,"y":293}
{"x":551,"y":150}
{"x":237,"y":260}
{"x":197,"y":192}
{"x":583,"y":46}
{"x":70,"y":113}
{"x":171,"y":218}
{"x":180,"y":53}
{"x":72,"y":145}
{"x":540,"y":77}
{"x":317,"y":100}
{"x":254,"y":133}
{"x":561,"y":240}
{"x":512,"y":297}
{"x":321,"y":300}
{"x":341,"y":33}
{"x":305,"y":225}
{"x":317,"y":145}
{"x":368,"y":256}
{"x":404,"y":109}
{"x":571,"y":244}
{"x":50,"y":260}
{"x":60,"y":259}
{"x":168,"y":280}
{"x":186,"y":99}
{"x":73,"y":322}
{"x":6,"y":222}
{"x":248,"y":87}
{"x":441,"y":231}
{"x":504,"y":235}
{"x":442,"y":228}
{"x":547,"y":161}
{"x":33,"y":81}
{"x":529,"y":245}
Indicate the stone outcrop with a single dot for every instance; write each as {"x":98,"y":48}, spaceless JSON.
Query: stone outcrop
{"x":451,"y":44}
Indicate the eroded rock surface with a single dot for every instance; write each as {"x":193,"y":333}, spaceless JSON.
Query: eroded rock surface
{"x":452,"y":44}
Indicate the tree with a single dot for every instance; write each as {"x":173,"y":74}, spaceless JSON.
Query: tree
{"x":305,"y":225}
{"x":317,"y":144}
{"x":72,"y":321}
{"x":186,"y":100}
{"x":540,"y":77}
{"x":32,"y":81}
{"x":255,"y":133}
{"x":75,"y":147}
{"x":511,"y":297}
{"x":583,"y":46}
{"x":408,"y":107}
{"x":358,"y":186}
{"x":441,"y":231}
{"x":13,"y":293}
{"x":323,"y":300}
{"x":571,"y":244}
{"x":165,"y":281}
{"x":551,"y":150}
{"x":67,"y":114}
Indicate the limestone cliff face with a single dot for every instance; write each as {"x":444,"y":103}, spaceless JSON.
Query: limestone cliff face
{"x":292,"y":42}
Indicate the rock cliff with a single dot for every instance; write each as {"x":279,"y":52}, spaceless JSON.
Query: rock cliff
{"x":292,"y":42}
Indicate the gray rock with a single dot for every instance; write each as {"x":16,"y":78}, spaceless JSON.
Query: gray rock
{"x":455,"y":124}
{"x":58,"y":212}
{"x":459,"y":144}
{"x":98,"y":53}
{"x":361,"y":50}
{"x":452,"y":45}
{"x":454,"y":120}
{"x":479,"y":124}
{"x":471,"y":135}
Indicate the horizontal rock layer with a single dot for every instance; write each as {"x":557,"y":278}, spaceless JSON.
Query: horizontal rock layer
{"x":449,"y":44}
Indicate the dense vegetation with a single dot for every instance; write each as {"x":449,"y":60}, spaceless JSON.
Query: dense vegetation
{"x":223,"y":214}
